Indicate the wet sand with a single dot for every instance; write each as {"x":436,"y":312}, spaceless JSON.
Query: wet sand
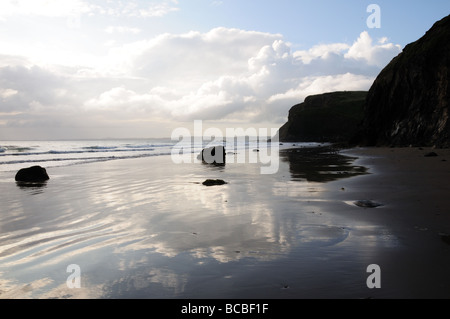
{"x":414,"y":191}
{"x":148,"y":228}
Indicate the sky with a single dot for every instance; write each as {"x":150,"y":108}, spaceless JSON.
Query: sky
{"x":76,"y":69}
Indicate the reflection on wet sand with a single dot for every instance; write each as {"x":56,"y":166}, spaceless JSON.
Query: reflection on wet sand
{"x":33,"y":187}
{"x":320,"y":164}
{"x":151,"y":230}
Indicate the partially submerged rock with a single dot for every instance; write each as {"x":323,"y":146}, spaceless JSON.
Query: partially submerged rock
{"x":367,"y":203}
{"x":213,"y":155}
{"x":214,"y":182}
{"x":34,"y":174}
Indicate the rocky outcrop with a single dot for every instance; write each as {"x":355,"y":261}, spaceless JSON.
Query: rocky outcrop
{"x":408,"y":104}
{"x":329,"y":117}
{"x":34,"y":174}
{"x":213,"y":155}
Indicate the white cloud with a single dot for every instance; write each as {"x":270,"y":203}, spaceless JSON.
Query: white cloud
{"x":361,"y":51}
{"x":323,"y":84}
{"x":216,"y":3}
{"x":159,"y":9}
{"x":6,"y":93}
{"x":47,"y":8}
{"x":122,"y":30}
{"x":321,"y":51}
{"x":135,"y":8}
{"x":377,"y":55}
{"x":71,"y":8}
{"x":199,"y":57}
{"x":223,"y":75}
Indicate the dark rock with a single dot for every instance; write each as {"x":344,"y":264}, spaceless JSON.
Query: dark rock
{"x":214,"y":182}
{"x":329,"y":117}
{"x":408,"y":104}
{"x":431,"y":154}
{"x":445,"y":238}
{"x":367,"y":204}
{"x":32,"y":174}
{"x":213,"y":155}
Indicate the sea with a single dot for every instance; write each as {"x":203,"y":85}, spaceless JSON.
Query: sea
{"x":18,"y":154}
{"x":15,"y":155}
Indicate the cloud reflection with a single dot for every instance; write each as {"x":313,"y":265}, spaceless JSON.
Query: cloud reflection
{"x":154,"y":232}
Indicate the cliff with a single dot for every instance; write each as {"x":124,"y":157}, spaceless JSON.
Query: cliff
{"x":408,"y":104}
{"x":329,"y":117}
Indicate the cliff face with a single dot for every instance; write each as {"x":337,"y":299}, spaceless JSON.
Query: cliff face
{"x":408,"y":104}
{"x":329,"y":117}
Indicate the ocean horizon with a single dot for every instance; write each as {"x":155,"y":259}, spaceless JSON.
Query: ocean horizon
{"x":15,"y":155}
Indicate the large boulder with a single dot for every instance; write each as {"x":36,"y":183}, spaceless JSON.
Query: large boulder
{"x":329,"y":117}
{"x":32,"y":174}
{"x":408,"y":104}
{"x":213,"y":155}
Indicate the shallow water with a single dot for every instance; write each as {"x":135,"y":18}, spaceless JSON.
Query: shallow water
{"x":147,"y":228}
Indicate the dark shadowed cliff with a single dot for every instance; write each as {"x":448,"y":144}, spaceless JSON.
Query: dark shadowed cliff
{"x":329,"y":117}
{"x":408,"y":104}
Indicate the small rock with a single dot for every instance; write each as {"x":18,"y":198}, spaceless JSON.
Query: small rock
{"x":32,"y":174}
{"x":213,"y":155}
{"x":214,"y":182}
{"x":445,"y":238}
{"x":367,"y":204}
{"x":431,"y":154}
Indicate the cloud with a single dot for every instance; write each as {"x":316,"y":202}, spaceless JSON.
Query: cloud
{"x":361,"y":57}
{"x":71,"y":8}
{"x":24,"y":87}
{"x":216,"y":3}
{"x":46,"y":8}
{"x":220,"y":75}
{"x":378,"y":55}
{"x":159,"y":9}
{"x":122,"y":30}
{"x":321,"y":51}
{"x":143,"y":9}
{"x":7,"y":93}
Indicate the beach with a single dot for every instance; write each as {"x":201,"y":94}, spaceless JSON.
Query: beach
{"x":148,"y":228}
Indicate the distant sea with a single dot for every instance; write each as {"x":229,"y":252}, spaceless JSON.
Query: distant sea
{"x":15,"y":155}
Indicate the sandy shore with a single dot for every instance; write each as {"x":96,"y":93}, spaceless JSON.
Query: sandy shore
{"x":148,"y":228}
